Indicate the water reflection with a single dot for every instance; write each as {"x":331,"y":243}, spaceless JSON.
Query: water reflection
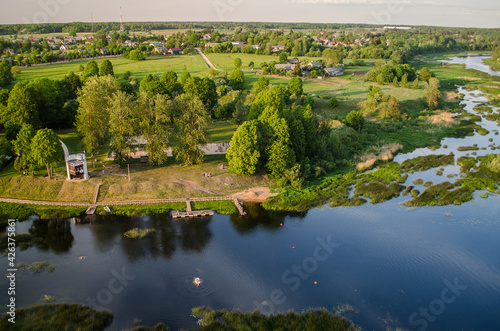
{"x":259,"y":217}
{"x":186,"y":234}
{"x":54,"y":235}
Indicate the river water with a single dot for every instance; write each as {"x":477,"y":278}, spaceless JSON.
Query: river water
{"x":428,"y":268}
{"x":473,"y":62}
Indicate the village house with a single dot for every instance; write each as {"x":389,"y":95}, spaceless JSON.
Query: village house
{"x":206,"y":36}
{"x":104,"y":51}
{"x":156,"y":44}
{"x":316,"y":64}
{"x":284,"y":66}
{"x":293,"y":61}
{"x":10,"y":50}
{"x":174,"y":51}
{"x":63,"y":48}
{"x":277,"y":48}
{"x":161,"y":50}
{"x":335,"y":71}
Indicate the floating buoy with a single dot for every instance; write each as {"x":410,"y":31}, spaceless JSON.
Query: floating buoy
{"x":315,"y":283}
{"x":293,"y":247}
{"x":281,"y":224}
{"x":81,"y":257}
{"x":197,"y":281}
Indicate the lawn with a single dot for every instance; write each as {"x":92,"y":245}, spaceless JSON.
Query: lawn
{"x":152,"y":65}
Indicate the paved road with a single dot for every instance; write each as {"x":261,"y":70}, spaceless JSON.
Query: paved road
{"x":210,"y":64}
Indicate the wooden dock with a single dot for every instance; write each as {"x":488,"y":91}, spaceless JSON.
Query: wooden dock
{"x":191,"y":214}
{"x":90,"y":210}
{"x":239,"y":207}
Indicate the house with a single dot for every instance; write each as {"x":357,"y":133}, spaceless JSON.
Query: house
{"x":293,"y":61}
{"x":104,"y":51}
{"x":316,"y":64}
{"x":206,"y":36}
{"x":10,"y":50}
{"x":211,"y":44}
{"x":63,"y":48}
{"x":284,"y":66}
{"x":277,"y":48}
{"x":174,"y":51}
{"x":334,"y":71}
{"x":161,"y":50}
{"x":156,"y":44}
{"x":238,"y":44}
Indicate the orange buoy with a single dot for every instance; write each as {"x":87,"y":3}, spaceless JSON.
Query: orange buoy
{"x":293,"y":247}
{"x":315,"y":283}
{"x":281,"y":224}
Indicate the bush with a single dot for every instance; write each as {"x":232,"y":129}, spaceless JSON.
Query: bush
{"x":333,"y":102}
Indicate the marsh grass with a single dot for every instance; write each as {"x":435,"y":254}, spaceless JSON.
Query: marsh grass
{"x":37,"y":267}
{"x":137,"y":233}
{"x":422,"y":163}
{"x":439,"y":195}
{"x":58,"y":317}
{"x":379,"y":191}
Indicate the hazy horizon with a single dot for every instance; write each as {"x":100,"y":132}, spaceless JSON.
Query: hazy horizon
{"x":447,"y":13}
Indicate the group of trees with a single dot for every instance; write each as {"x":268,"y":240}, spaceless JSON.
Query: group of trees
{"x":35,"y":148}
{"x":107,"y":114}
{"x":382,"y":105}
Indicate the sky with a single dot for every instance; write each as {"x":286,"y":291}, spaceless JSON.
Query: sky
{"x":455,"y":13}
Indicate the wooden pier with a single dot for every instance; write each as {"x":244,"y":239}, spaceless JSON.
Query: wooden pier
{"x":90,"y":210}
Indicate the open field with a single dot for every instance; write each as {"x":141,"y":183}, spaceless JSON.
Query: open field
{"x":152,"y":65}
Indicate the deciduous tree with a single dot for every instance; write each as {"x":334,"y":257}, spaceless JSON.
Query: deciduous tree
{"x":46,"y":149}
{"x":243,"y":155}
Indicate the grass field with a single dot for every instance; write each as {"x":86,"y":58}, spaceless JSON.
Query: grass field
{"x":152,"y":65}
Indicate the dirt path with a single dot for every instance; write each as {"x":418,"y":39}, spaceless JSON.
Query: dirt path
{"x":210,"y":64}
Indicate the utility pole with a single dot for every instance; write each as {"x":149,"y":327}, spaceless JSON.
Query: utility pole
{"x":128,"y":167}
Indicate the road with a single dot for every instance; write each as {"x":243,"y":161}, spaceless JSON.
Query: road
{"x":210,"y":64}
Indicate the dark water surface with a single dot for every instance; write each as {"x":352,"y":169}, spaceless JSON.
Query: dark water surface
{"x":386,"y":261}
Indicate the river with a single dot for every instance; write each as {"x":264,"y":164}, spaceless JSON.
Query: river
{"x":385,"y":265}
{"x":473,"y":62}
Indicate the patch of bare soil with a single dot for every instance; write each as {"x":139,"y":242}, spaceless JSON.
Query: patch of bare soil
{"x":444,"y":118}
{"x":385,"y":153}
{"x":256,"y":194}
{"x":359,"y":73}
{"x":451,"y":96}
{"x":193,"y":186}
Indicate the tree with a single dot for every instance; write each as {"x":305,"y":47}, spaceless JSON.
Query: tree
{"x":191,"y":129}
{"x":170,"y":83}
{"x":283,"y":58}
{"x":237,"y":79}
{"x":49,"y":101}
{"x":261,"y":85}
{"x":70,"y":85}
{"x":295,"y":86}
{"x":21,"y":106}
{"x":240,"y":113}
{"x":404,"y":80}
{"x":425,"y":74}
{"x":92,"y":119}
{"x":22,"y":147}
{"x":156,"y":114}
{"x":106,"y":68}
{"x":333,"y":56}
{"x":151,"y":85}
{"x":121,"y":125}
{"x":355,"y":120}
{"x":184,"y":77}
{"x":380,"y":79}
{"x":251,"y":65}
{"x":243,"y":155}
{"x":6,"y":76}
{"x":11,"y":131}
{"x":208,"y":94}
{"x":136,"y":55}
{"x":395,"y":82}
{"x":237,"y":63}
{"x":415,"y":84}
{"x":432,"y":93}
{"x":46,"y":149}
{"x":91,"y":69}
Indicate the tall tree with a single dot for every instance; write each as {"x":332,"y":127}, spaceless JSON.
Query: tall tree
{"x":170,"y":83}
{"x":237,"y":63}
{"x":355,"y":120}
{"x":156,"y":126}
{"x":121,"y":125}
{"x":295,"y":86}
{"x":6,"y":76}
{"x":92,"y":119}
{"x":333,"y":56}
{"x":46,"y":149}
{"x":70,"y":85}
{"x":151,"y":85}
{"x":243,"y":155}
{"x":23,"y":147}
{"x":21,"y":106}
{"x":106,"y":68}
{"x":49,"y":101}
{"x":91,"y":69}
{"x":425,"y":74}
{"x":191,"y":128}
{"x":432,"y":93}
{"x":237,"y":79}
